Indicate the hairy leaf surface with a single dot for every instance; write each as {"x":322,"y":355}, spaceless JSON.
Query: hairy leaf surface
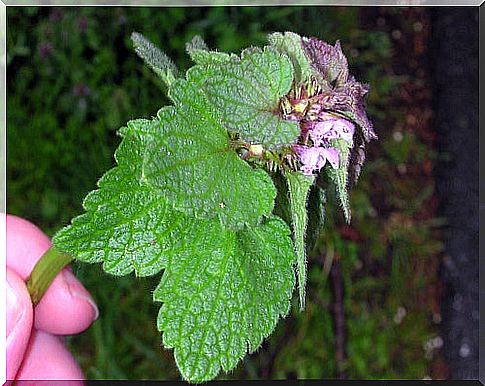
{"x":190,"y":161}
{"x":128,"y":226}
{"x":290,"y":43}
{"x":222,"y":300}
{"x":200,"y":54}
{"x":246,"y":92}
{"x":340,"y":176}
{"x":155,"y":58}
{"x":299,"y":187}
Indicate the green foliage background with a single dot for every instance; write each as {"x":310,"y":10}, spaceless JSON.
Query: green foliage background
{"x":73,"y":80}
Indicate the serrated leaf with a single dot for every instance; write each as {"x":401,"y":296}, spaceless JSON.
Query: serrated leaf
{"x":340,"y":176}
{"x":190,"y":161}
{"x":298,"y":188}
{"x":128,"y":227}
{"x":290,"y":43}
{"x":247,"y":92}
{"x":156,"y":59}
{"x":200,"y":54}
{"x":220,"y":303}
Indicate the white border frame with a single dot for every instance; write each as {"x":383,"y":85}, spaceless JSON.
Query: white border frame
{"x":3,"y":106}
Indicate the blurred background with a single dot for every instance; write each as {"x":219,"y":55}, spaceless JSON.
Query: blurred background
{"x":384,"y":293}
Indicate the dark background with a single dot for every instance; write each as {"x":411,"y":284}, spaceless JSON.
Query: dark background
{"x":394,"y":295}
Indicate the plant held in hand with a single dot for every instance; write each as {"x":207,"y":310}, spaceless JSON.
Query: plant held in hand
{"x":214,"y":191}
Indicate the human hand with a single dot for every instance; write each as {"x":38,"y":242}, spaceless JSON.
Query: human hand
{"x":34,"y":351}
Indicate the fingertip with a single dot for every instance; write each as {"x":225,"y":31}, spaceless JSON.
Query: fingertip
{"x":48,"y":359}
{"x":26,"y":243}
{"x":19,"y":321}
{"x":66,"y":308}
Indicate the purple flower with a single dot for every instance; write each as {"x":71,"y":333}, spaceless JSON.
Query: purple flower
{"x":45,"y":50}
{"x":314,"y":158}
{"x":331,"y":154}
{"x":323,"y":132}
{"x":346,"y":95}
{"x":328,"y":107}
{"x":331,"y":127}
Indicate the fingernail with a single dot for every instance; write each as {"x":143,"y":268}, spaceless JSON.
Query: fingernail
{"x":14,"y":309}
{"x":78,"y":291}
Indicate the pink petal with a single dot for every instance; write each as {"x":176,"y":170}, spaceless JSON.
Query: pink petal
{"x":332,"y":155}
{"x":310,"y":156}
{"x":345,"y":128}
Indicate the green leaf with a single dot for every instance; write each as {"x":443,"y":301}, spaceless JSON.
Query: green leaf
{"x":340,"y":176}
{"x":290,"y":43}
{"x":247,"y":92}
{"x":156,"y":59}
{"x":316,"y":216}
{"x":200,"y":54}
{"x":191,"y":162}
{"x":128,"y":226}
{"x":221,"y":302}
{"x":298,"y":188}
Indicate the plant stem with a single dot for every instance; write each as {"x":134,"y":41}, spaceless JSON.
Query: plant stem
{"x":44,"y":272}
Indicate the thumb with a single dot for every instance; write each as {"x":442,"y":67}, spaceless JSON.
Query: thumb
{"x":19,"y":322}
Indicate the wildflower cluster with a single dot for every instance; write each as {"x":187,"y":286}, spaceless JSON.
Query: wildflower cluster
{"x":327,"y":107}
{"x":321,"y":134}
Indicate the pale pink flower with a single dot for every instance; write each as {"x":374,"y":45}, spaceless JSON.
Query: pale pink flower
{"x":331,"y":128}
{"x":314,"y":158}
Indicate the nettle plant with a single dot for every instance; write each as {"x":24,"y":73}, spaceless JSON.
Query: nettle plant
{"x":218,"y":190}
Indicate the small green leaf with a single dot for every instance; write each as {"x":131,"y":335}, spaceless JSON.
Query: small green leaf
{"x":156,"y":59}
{"x":190,"y":161}
{"x":200,"y":54}
{"x":222,"y":299}
{"x":196,"y":44}
{"x":246,"y":92}
{"x":290,"y":43}
{"x":340,"y":176}
{"x":298,"y":188}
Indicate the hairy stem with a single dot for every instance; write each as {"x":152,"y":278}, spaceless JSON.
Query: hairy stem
{"x":44,"y":272}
